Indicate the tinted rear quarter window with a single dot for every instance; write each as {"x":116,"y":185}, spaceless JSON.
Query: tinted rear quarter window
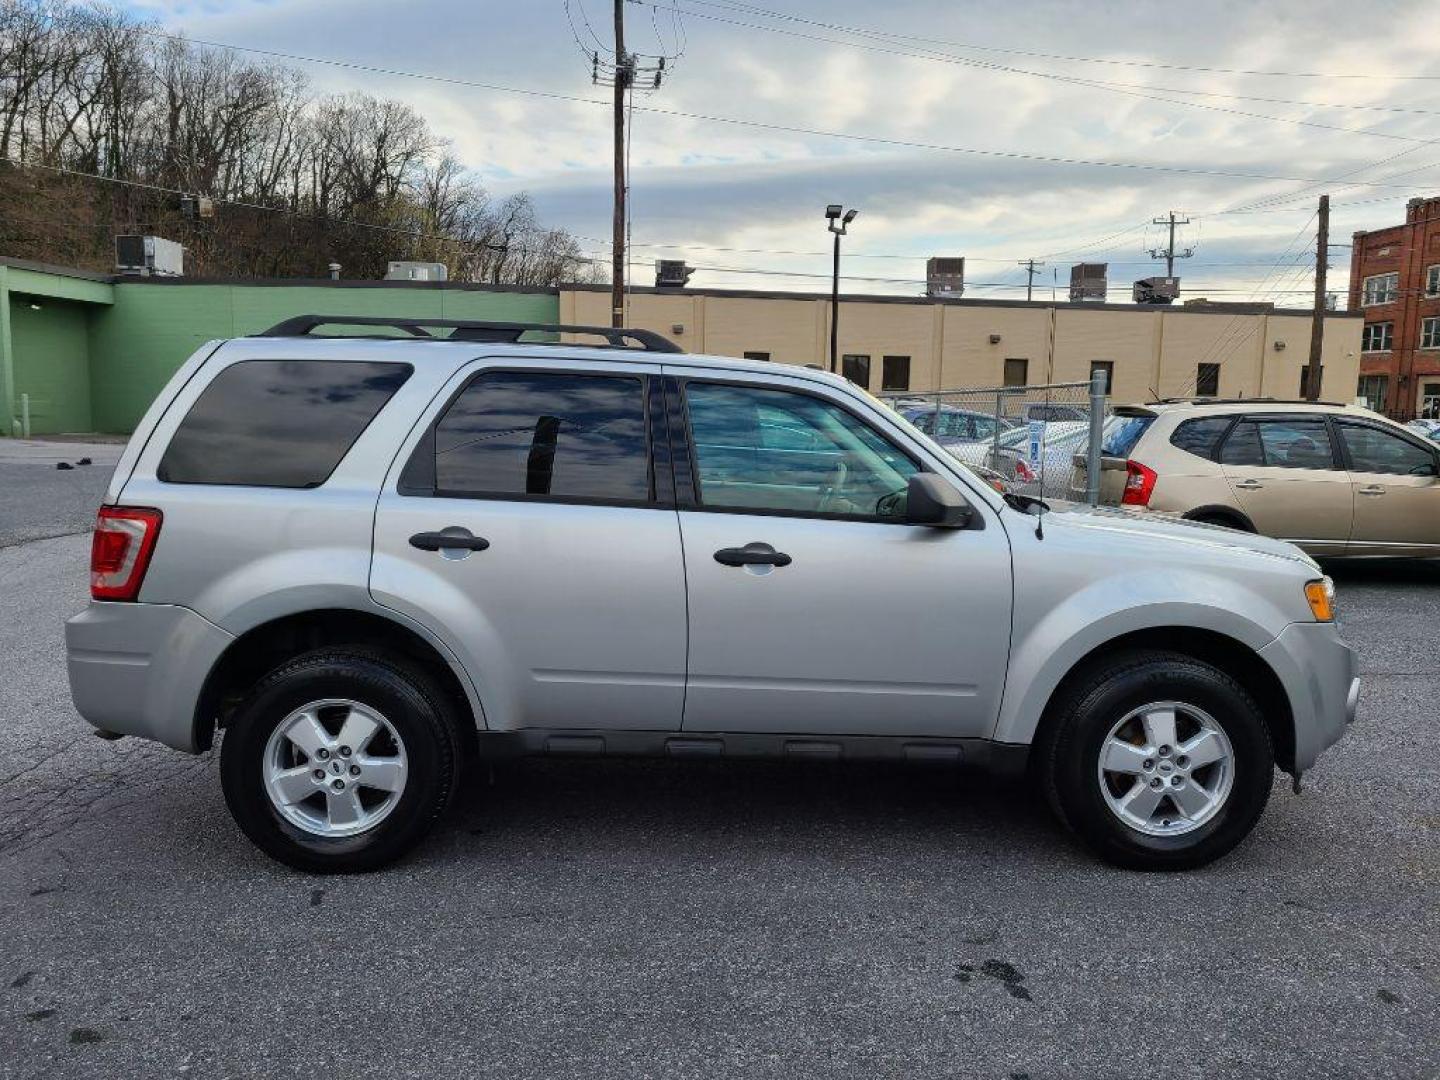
{"x":545,"y":435}
{"x":1200,"y":435}
{"x":278,"y":423}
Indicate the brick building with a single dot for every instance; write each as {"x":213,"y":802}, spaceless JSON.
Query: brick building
{"x":1395,"y":281}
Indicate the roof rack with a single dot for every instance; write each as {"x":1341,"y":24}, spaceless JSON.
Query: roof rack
{"x":472,"y":330}
{"x":1240,"y":401}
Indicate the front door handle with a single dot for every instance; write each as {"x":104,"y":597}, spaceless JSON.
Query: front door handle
{"x":752,"y":554}
{"x":436,"y":541}
{"x":1249,"y":485}
{"x":1373,"y":489}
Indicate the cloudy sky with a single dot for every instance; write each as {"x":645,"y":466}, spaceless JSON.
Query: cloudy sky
{"x":930,"y":116}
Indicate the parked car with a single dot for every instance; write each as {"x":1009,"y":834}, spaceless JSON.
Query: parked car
{"x":1050,"y":412}
{"x":951,"y":425}
{"x":1049,"y":476}
{"x":1334,"y":479}
{"x":372,"y":562}
{"x":1430,"y":429}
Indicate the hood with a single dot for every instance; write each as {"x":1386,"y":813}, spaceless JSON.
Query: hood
{"x":1175,"y":529}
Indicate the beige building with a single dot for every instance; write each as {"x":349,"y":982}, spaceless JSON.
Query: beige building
{"x":918,"y":343}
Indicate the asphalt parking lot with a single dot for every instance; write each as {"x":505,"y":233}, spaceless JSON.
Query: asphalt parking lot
{"x":604,"y":919}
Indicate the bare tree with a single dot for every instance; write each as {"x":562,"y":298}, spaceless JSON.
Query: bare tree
{"x":297,"y":182}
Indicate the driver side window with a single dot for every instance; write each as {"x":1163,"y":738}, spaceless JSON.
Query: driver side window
{"x":778,"y":450}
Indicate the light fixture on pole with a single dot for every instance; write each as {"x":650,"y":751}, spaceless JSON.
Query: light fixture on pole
{"x":838,"y":219}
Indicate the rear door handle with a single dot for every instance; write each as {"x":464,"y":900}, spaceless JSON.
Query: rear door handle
{"x":1249,"y":485}
{"x":1373,"y":489}
{"x":460,"y":538}
{"x":752,"y":554}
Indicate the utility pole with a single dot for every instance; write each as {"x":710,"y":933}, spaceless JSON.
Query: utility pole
{"x":1317,"y":320}
{"x":1168,"y":252}
{"x":1030,"y":267}
{"x":624,"y":72}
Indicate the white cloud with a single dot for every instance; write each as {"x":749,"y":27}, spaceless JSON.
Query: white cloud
{"x":697,"y":182}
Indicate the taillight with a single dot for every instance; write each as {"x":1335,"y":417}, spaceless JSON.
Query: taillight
{"x":120,"y":551}
{"x":1139,"y":483}
{"x":1023,"y":472}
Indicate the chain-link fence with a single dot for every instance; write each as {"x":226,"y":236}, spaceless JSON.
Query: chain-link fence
{"x":1036,"y":438}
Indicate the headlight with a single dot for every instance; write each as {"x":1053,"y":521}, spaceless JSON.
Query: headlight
{"x":1321,"y":595}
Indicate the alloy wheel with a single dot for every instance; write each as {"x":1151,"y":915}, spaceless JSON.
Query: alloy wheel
{"x":334,"y":768}
{"x":1166,"y":768}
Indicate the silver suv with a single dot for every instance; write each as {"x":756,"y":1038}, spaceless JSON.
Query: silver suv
{"x":372,"y":561}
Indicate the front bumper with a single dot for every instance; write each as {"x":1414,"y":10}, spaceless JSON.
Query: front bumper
{"x":138,"y":669}
{"x":1320,"y":673}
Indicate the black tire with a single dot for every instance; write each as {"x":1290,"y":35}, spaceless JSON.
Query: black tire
{"x":414,"y":706}
{"x":1223,"y":520}
{"x":1069,"y":755}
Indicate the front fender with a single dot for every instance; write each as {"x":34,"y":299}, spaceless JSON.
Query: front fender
{"x":1048,"y":642}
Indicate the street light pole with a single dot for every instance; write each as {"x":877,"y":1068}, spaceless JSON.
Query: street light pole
{"x":838,"y":219}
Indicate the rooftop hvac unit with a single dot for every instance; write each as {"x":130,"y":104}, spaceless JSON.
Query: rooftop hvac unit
{"x":148,"y":256}
{"x":416,"y":271}
{"x":1088,"y":281}
{"x":1157,"y":290}
{"x":672,"y":273}
{"x":944,"y":277}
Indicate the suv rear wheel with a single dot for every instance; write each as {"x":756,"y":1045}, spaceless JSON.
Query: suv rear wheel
{"x":1158,"y":761}
{"x":339,"y":761}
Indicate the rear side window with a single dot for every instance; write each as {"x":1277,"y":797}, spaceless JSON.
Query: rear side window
{"x":515,"y":433}
{"x":1303,"y":443}
{"x":1243,"y":446}
{"x":1121,"y":433}
{"x":278,"y":423}
{"x":1199,"y":436}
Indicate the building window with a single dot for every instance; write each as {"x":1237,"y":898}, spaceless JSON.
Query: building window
{"x":1373,"y":390}
{"x":1430,"y":401}
{"x":1377,"y":337}
{"x":1430,"y":333}
{"x":1305,"y":379}
{"x":1108,"y":367}
{"x":1432,"y":281}
{"x":758,"y":356}
{"x":1381,"y":289}
{"x":895,"y":373}
{"x":1207,"y":380}
{"x":856,"y":368}
{"x":1017,"y":372}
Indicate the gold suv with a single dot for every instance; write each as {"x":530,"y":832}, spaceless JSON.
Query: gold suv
{"x":1334,"y":479}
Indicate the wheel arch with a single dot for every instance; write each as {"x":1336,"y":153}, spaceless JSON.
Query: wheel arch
{"x":263,"y":647}
{"x":1226,"y":653}
{"x":1235,"y":518}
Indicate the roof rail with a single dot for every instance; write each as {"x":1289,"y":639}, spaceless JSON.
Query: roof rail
{"x":1241,"y":401}
{"x":472,"y":330}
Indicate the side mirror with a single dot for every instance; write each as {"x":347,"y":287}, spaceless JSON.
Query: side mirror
{"x":929,"y":500}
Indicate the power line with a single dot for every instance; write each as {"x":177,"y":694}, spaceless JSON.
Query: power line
{"x":877,"y":140}
{"x":1128,"y":89}
{"x":752,"y":10}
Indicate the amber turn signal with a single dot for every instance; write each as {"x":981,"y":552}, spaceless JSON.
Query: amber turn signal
{"x":1321,"y":595}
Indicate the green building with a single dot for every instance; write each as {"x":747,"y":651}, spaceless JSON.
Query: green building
{"x":86,"y":352}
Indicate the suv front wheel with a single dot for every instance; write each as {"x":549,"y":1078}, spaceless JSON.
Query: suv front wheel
{"x":1158,"y":761}
{"x":339,"y":761}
